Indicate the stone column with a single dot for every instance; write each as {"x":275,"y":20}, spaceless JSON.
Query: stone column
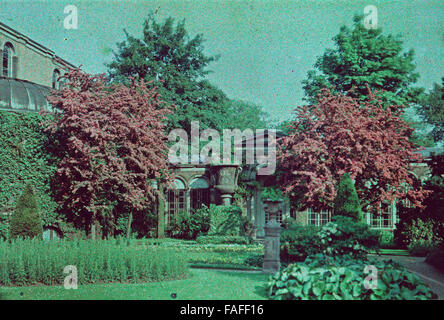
{"x":272,"y":243}
{"x":272,"y":260}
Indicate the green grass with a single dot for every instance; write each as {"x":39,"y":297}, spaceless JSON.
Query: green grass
{"x":202,"y":284}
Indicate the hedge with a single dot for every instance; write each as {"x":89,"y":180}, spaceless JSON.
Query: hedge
{"x":25,"y":158}
{"x":30,"y":262}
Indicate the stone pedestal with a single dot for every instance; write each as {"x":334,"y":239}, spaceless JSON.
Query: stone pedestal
{"x":272,"y":260}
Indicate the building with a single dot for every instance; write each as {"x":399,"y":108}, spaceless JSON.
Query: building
{"x":29,"y":71}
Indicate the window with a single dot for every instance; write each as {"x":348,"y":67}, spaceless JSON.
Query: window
{"x":55,"y":79}
{"x":176,"y":200}
{"x":200,"y":193}
{"x":384,"y":220}
{"x":8,"y":53}
{"x":318,"y":218}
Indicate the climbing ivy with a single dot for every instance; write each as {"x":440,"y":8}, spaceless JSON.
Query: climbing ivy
{"x":25,"y":158}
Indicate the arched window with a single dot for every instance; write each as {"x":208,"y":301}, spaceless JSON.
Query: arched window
{"x":8,"y":53}
{"x":176,"y":199}
{"x":55,"y":79}
{"x":200,"y":193}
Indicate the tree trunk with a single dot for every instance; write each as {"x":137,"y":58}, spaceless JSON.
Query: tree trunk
{"x":160,"y":215}
{"x":130,"y":221}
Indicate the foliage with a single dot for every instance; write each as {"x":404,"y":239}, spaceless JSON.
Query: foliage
{"x":26,"y":156}
{"x":223,"y":240}
{"x":167,"y":58}
{"x":42,"y":262}
{"x":432,"y":110}
{"x":386,"y":239}
{"x":421,"y":233}
{"x":299,"y":242}
{"x":346,"y":201}
{"x":190,"y":226}
{"x":436,"y":258}
{"x":114,"y":146}
{"x":247,"y":227}
{"x":365,"y":57}
{"x":255,"y":260}
{"x":341,"y":236}
{"x":225,"y":220}
{"x":245,"y":115}
{"x":344,"y":278}
{"x":26,"y":221}
{"x":272,"y":193}
{"x":341,"y":134}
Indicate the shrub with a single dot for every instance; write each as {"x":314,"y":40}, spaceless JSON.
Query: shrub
{"x":29,"y":262}
{"x":271,"y":193}
{"x":299,"y":242}
{"x":420,"y":233}
{"x":344,"y":235}
{"x":4,"y":228}
{"x":225,"y":220}
{"x":26,"y":221}
{"x":254,"y":260}
{"x":341,"y":236}
{"x":346,"y":201}
{"x":189,"y":226}
{"x":386,"y":239}
{"x":328,"y":278}
{"x":222,"y":240}
{"x":436,"y":258}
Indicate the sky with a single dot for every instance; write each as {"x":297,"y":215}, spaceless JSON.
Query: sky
{"x":265,"y":47}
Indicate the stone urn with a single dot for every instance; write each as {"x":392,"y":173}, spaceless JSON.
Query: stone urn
{"x":226,"y":180}
{"x":272,"y":207}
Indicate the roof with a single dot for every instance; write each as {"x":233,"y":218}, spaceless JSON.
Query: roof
{"x":34,"y":44}
{"x":22,"y":95}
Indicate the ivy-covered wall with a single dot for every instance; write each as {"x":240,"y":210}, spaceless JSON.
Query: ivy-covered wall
{"x":24,"y":157}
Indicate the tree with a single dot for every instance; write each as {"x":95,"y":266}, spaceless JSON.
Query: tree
{"x":245,"y":115}
{"x":113,"y":149}
{"x":341,"y":134}
{"x":346,"y":201}
{"x":365,"y":57}
{"x":432,"y":110}
{"x":167,"y":58}
{"x":26,"y":221}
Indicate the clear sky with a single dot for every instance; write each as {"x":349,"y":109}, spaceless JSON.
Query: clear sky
{"x":266,"y":47}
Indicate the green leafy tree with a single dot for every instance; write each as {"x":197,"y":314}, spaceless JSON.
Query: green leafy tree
{"x":346,"y":201}
{"x":26,"y":221}
{"x":432,"y":110}
{"x":365,"y":57}
{"x":169,"y":59}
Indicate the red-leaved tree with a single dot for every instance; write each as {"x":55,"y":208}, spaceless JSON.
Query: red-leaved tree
{"x":112,"y":148}
{"x":340,"y":134}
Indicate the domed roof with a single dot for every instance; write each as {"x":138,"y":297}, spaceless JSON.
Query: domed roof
{"x":22,"y":95}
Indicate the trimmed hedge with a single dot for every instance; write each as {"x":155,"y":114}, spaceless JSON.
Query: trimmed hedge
{"x":346,"y":201}
{"x":30,"y":262}
{"x":344,"y":278}
{"x":223,"y":240}
{"x":26,"y":221}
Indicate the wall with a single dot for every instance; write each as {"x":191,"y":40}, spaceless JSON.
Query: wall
{"x":35,"y":63}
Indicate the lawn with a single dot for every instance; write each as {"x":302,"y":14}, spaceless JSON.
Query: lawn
{"x":207,"y":255}
{"x":202,"y":284}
